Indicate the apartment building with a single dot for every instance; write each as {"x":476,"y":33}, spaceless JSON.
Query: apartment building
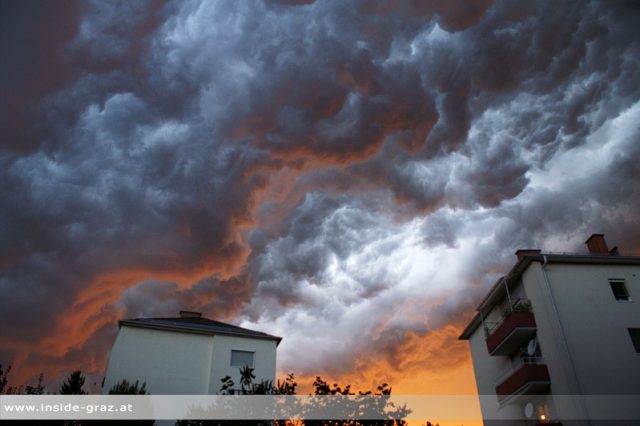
{"x":557,"y":340}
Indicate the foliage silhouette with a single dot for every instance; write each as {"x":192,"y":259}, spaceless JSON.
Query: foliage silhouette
{"x":73,"y":385}
{"x":349,"y":408}
{"x":124,"y":387}
{"x":5,"y":389}
{"x":38,"y":389}
{"x":386,"y":413}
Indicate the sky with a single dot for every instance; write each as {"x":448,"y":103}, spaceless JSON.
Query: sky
{"x":351,"y":176}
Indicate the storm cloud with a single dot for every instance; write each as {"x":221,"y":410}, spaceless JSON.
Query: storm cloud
{"x":351,"y":176}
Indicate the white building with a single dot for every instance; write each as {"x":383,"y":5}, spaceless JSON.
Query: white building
{"x":188,"y":354}
{"x":557,"y":340}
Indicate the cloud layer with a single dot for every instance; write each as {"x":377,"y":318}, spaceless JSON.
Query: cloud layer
{"x":351,"y":176}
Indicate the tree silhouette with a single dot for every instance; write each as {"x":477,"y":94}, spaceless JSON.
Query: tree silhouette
{"x":361,"y":403}
{"x":74,"y":384}
{"x":124,"y":387}
{"x":385,"y":413}
{"x":248,"y":387}
{"x":246,"y":379}
{"x":286,"y":387}
{"x":38,"y":389}
{"x":5,"y":389}
{"x":4,"y":381}
{"x":348,"y":410}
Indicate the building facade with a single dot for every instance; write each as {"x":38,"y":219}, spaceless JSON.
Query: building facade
{"x":187,"y":355}
{"x":557,"y":340}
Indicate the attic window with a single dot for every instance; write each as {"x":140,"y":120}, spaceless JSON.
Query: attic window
{"x":619,"y":291}
{"x":242,"y":358}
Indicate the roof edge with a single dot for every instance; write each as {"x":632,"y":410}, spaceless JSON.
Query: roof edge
{"x":471,"y":327}
{"x":521,"y":265}
{"x":182,"y":329}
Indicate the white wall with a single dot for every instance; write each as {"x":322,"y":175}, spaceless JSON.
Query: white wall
{"x":182,"y":363}
{"x":169,"y":362}
{"x":264,"y":359}
{"x":595,"y":325}
{"x":552,"y":343}
{"x":582,"y":331}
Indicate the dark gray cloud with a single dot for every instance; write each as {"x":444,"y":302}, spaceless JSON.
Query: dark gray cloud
{"x":33,"y":37}
{"x":321,"y":170}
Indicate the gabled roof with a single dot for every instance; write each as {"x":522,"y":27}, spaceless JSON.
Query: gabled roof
{"x":197,"y":325}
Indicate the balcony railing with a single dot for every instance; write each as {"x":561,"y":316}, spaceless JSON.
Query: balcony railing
{"x":512,"y":333}
{"x":531,"y":376}
{"x":516,"y":328}
{"x":520,"y":305}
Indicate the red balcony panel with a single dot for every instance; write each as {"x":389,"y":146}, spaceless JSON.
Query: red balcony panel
{"x":513,"y":333}
{"x":528,"y":379}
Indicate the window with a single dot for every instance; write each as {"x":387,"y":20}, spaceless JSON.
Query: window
{"x":241,"y":359}
{"x":634,"y":333}
{"x":619,"y":291}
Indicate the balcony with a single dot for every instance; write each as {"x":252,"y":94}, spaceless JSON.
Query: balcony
{"x":531,"y":377}
{"x":513,"y":333}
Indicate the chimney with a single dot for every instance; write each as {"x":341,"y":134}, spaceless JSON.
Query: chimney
{"x":526,"y":252}
{"x":597,"y":245}
{"x":190,"y":314}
